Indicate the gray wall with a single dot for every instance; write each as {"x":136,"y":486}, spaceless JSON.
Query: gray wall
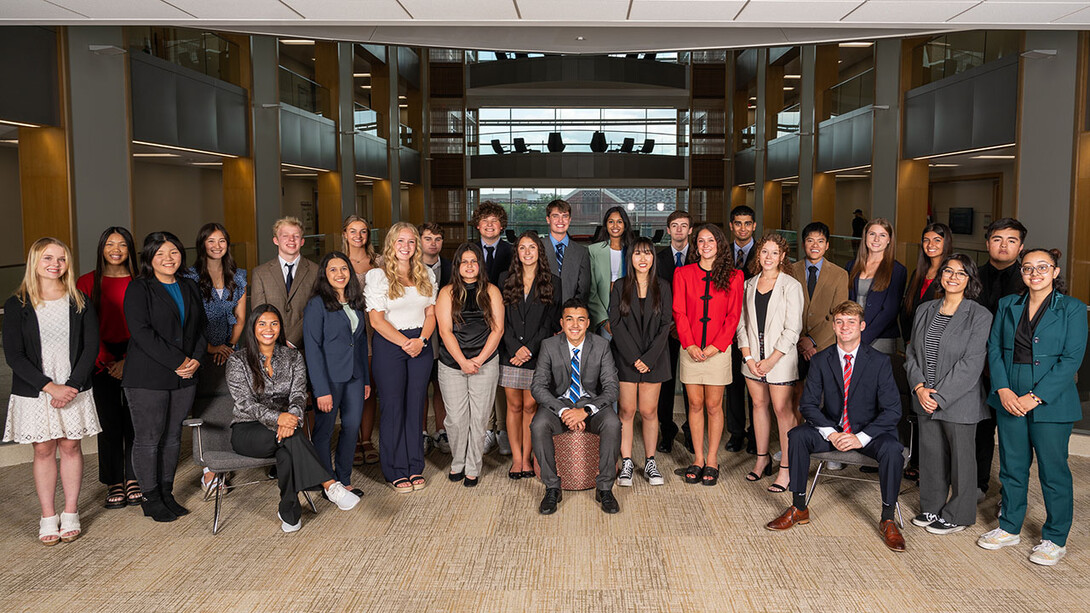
{"x":28,"y":71}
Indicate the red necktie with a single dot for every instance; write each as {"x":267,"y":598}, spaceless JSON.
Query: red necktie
{"x":844,"y":425}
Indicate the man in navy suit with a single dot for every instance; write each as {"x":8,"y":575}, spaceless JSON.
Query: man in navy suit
{"x":866,"y":421}
{"x":679,"y":225}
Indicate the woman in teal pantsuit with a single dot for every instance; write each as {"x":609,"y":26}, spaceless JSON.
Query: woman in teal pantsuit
{"x":1037,"y":344}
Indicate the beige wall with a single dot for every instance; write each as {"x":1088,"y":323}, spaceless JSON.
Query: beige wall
{"x":176,"y":198}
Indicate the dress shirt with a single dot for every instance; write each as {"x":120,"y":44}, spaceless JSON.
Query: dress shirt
{"x":684,"y":254}
{"x":817,"y":263}
{"x":826,"y":431}
{"x":571,"y":353}
{"x":562,"y":242}
{"x":294,"y":268}
{"x":745,"y":252}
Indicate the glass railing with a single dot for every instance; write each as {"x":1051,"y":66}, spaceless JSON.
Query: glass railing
{"x":578,"y":140}
{"x":854,"y":93}
{"x":950,"y":54}
{"x":204,"y":52}
{"x":366,"y":121}
{"x":302,"y":93}
{"x":748,"y":137}
{"x":408,"y":138}
{"x":787,"y":121}
{"x":671,"y":57}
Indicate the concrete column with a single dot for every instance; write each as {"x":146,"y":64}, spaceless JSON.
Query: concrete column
{"x":886,"y":150}
{"x":761,"y":138}
{"x":266,"y":140}
{"x":346,"y":124}
{"x":807,"y":131}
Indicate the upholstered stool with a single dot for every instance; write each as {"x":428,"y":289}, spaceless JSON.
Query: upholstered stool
{"x":576,"y":459}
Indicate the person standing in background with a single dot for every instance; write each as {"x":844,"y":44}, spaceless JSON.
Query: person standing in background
{"x":742,"y":226}
{"x":679,"y":225}
{"x":567,"y":259}
{"x":357,"y":244}
{"x":490,"y":219}
{"x":431,"y":245}
{"x":876,"y":282}
{"x":858,"y":223}
{"x":608,"y":263}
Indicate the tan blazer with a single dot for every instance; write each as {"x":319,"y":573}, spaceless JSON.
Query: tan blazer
{"x":831,"y":290}
{"x":267,"y":286}
{"x":782,"y":326}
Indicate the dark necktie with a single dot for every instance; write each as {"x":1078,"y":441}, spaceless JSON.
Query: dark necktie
{"x":677,"y":260}
{"x":488,"y":260}
{"x":559,"y":257}
{"x":287,"y":282}
{"x":811,"y":280}
{"x":741,"y":260}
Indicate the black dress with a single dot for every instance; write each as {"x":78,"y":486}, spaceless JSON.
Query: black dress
{"x":642,"y":335}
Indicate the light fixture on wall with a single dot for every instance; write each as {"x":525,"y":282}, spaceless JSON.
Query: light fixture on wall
{"x":661,"y":206}
{"x":18,"y":124}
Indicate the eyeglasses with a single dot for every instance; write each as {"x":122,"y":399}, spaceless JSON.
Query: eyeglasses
{"x":1040,"y":268}
{"x":961,"y":275}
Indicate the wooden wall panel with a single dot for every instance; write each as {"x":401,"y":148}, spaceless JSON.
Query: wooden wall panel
{"x":44,"y":185}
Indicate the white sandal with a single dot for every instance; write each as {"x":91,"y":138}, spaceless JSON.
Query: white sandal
{"x":49,"y":530}
{"x":70,"y":524}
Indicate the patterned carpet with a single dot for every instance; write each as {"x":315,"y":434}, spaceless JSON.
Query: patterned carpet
{"x":448,"y":548}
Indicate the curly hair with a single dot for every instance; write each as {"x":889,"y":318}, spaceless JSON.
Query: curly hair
{"x":723,"y":267}
{"x":781,"y":243}
{"x":543,"y":276}
{"x":488,"y":209}
{"x":418,"y":273}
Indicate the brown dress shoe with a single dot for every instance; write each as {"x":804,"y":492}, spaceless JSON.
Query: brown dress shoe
{"x":789,"y":518}
{"x":892,"y":536}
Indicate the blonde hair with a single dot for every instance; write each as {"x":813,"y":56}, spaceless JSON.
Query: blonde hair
{"x":418,"y":273}
{"x":849,"y":308}
{"x":31,"y":289}
{"x":287,"y":221}
{"x":369,"y":246}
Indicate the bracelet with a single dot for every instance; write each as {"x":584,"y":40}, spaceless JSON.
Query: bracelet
{"x":1035,"y":398}
{"x":917,"y":388}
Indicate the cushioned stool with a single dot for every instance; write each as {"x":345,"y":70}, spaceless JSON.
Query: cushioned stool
{"x":576,"y":459}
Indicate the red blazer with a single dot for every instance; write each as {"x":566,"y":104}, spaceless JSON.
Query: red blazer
{"x":703,"y":322}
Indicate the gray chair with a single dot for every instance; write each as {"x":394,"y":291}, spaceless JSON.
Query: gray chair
{"x":212,"y":449}
{"x":854,"y":458}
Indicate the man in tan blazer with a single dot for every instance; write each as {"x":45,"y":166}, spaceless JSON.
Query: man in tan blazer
{"x":825,"y":285}
{"x":287,"y":282}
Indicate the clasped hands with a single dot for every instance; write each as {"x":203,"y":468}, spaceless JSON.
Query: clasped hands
{"x":286,"y":425}
{"x":521,"y":356}
{"x":700,"y":355}
{"x":188,"y":368}
{"x":1016,"y":405}
{"x":60,"y":395}
{"x":845,"y":441}
{"x":413,"y":346}
{"x":575,"y":419}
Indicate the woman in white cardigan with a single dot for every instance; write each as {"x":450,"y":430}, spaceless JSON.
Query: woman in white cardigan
{"x":767,"y":334}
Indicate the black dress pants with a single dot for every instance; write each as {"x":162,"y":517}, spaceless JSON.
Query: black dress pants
{"x":736,"y":397}
{"x":115,"y":440}
{"x":297,"y":465}
{"x":886,"y":448}
{"x":667,"y":426}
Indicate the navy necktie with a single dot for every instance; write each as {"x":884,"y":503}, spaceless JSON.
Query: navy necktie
{"x":559,"y":257}
{"x":677,"y":259}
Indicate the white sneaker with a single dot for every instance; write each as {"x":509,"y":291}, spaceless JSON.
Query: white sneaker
{"x":834,"y":466}
{"x":997,"y":539}
{"x":1047,"y":553}
{"x":442,"y":443}
{"x":489,"y":442}
{"x":286,"y":527}
{"x":504,"y":443}
{"x":344,"y":499}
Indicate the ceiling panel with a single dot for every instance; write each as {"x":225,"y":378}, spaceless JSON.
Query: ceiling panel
{"x":33,"y":9}
{"x":236,"y":9}
{"x":994,"y":11}
{"x":128,"y":10}
{"x":477,"y":10}
{"x":917,"y":11}
{"x":360,"y":11}
{"x":796,"y":11}
{"x":1081,"y":17}
{"x":570,"y":11}
{"x":685,"y":10}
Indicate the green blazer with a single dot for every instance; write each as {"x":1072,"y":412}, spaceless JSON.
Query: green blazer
{"x":1059,"y":344}
{"x":598,"y":302}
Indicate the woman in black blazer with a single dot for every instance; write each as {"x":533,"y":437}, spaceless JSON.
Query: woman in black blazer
{"x":640,"y":314}
{"x":531,"y":299}
{"x":335,"y":339}
{"x":166,"y":319}
{"x":936,"y":244}
{"x":50,"y":342}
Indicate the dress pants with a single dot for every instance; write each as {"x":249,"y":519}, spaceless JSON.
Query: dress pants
{"x":157,"y":417}
{"x":736,"y":398}
{"x":403,"y":389}
{"x":469,"y":401}
{"x":1020,"y":438}
{"x":667,"y":426}
{"x":805,"y":439}
{"x":348,"y":401}
{"x":115,"y":440}
{"x":298,"y":465}
{"x":948,"y":470}
{"x":985,"y":444}
{"x":604,"y":423}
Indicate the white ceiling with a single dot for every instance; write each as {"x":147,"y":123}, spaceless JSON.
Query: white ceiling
{"x":554,"y":25}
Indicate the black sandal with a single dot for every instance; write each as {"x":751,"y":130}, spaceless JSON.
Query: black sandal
{"x":115,"y":497}
{"x":752,"y":476}
{"x":692,"y":474}
{"x":710,"y":476}
{"x":776,"y":488}
{"x":133,"y":494}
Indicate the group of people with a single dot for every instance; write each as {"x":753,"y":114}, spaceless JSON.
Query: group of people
{"x":592,"y":334}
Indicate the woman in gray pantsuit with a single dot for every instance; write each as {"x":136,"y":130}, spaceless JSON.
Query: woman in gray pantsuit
{"x":944,"y":361}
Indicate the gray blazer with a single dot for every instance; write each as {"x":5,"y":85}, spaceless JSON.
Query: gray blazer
{"x":963,"y":351}
{"x":575,"y":278}
{"x":597,"y":374}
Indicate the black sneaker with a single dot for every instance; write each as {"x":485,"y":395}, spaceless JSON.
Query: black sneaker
{"x":548,"y":502}
{"x":941,"y":526}
{"x":624,"y":477}
{"x":924,"y":520}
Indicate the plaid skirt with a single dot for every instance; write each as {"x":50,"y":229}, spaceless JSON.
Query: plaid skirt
{"x":516,"y":378}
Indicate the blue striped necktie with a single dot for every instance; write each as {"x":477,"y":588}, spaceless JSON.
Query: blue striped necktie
{"x":575,"y":390}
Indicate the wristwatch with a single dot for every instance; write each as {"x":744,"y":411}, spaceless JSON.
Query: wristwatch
{"x":425,"y":343}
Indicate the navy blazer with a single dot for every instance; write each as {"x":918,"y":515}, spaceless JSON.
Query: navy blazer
{"x":23,"y":347}
{"x":874,"y":402}
{"x":334,"y":353}
{"x":882,"y":307}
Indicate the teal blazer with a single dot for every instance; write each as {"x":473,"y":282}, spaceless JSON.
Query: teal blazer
{"x":598,"y":302}
{"x":1059,"y":344}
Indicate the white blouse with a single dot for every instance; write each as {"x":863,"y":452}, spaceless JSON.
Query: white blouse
{"x":404,"y":313}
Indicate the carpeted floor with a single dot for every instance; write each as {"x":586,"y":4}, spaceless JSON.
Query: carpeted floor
{"x":448,"y":548}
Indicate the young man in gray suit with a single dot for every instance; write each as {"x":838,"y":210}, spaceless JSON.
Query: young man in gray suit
{"x":567,"y":259}
{"x":575,"y":386}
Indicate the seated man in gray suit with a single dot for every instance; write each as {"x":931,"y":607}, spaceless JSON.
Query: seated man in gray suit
{"x":575,"y":385}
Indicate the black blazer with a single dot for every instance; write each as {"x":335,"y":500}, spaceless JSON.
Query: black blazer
{"x":664,"y":264}
{"x":874,"y":402}
{"x":501,"y":260}
{"x":883,"y":307}
{"x":642,"y":335}
{"x":159,"y":341}
{"x":913,"y":300}
{"x":23,"y":347}
{"x":334,"y":353}
{"x":528,"y":322}
{"x":444,"y":272}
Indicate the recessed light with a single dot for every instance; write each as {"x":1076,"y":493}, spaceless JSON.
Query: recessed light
{"x":296,"y":41}
{"x":944,"y":165}
{"x":154,"y":155}
{"x":792,"y":76}
{"x":19,"y":124}
{"x":788,"y":88}
{"x":580,"y":38}
{"x":360,"y":75}
{"x":365,"y":87}
{"x":993,"y":157}
{"x":860,"y":44}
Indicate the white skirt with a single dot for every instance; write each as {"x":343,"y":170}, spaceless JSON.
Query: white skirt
{"x":34,"y":420}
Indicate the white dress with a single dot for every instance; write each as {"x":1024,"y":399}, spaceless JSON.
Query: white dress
{"x":34,"y":420}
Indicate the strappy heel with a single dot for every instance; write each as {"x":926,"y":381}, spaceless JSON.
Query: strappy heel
{"x":49,"y":532}
{"x":752,"y":476}
{"x":776,"y":488}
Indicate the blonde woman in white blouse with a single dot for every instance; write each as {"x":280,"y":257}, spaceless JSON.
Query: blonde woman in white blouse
{"x":400,"y":300}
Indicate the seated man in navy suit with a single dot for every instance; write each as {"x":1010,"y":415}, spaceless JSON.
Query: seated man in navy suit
{"x":865,"y":422}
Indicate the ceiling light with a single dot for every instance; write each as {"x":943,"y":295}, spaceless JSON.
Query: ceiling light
{"x":208,"y":163}
{"x":661,"y":206}
{"x":792,"y":76}
{"x":964,"y":151}
{"x":863,"y":167}
{"x":857,"y":44}
{"x":631,"y":206}
{"x":18,"y":123}
{"x":300,"y":174}
{"x":580,"y":38}
{"x":365,"y":87}
{"x":154,"y":155}
{"x":301,"y":167}
{"x":296,"y":41}
{"x":361,"y":75}
{"x":10,"y":141}
{"x":788,"y":88}
{"x":993,"y":157}
{"x":933,"y":165}
{"x":176,"y":148}
{"x":853,"y":176}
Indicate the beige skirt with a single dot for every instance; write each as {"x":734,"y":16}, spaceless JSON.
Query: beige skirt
{"x":713,"y":371}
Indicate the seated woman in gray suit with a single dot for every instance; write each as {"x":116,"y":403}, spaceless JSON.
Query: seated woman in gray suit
{"x":576,"y":383}
{"x":945,"y":362}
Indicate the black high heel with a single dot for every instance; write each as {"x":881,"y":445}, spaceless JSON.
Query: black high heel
{"x":752,"y":476}
{"x":776,"y":488}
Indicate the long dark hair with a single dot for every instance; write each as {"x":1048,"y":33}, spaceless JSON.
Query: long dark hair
{"x":100,"y":261}
{"x":923,"y":262}
{"x":626,"y":236}
{"x":152,"y":243}
{"x":974,"y":285}
{"x":1058,"y":284}
{"x":251,"y":349}
{"x":543,"y":276}
{"x":458,"y":285}
{"x":353,"y":293}
{"x":204,"y":280}
{"x":723,"y":266}
{"x":630,"y":287}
